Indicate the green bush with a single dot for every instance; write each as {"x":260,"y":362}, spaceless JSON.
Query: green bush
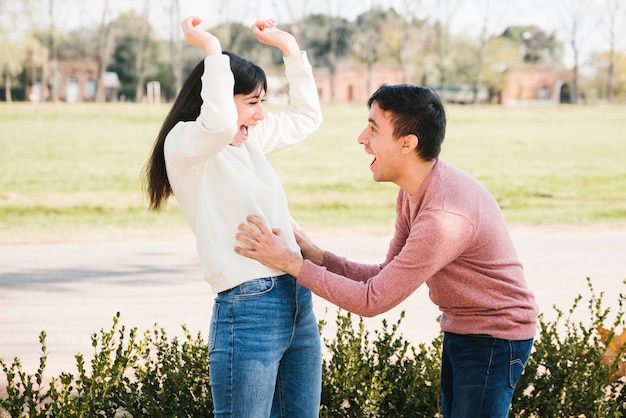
{"x":565,"y":376}
{"x":568,"y":374}
{"x":385,"y":378}
{"x":153,"y":377}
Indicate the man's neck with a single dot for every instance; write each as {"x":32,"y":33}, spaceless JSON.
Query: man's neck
{"x":415,"y":175}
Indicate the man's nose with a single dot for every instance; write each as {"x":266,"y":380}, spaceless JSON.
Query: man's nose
{"x":361,"y":139}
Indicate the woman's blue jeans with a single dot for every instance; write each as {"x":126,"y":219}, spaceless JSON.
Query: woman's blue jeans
{"x":479,"y":374}
{"x":265,"y":351}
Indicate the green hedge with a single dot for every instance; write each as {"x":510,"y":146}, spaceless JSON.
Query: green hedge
{"x":365,"y":374}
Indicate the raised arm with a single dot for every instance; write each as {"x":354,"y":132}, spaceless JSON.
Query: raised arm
{"x":202,"y":39}
{"x":267,"y":33}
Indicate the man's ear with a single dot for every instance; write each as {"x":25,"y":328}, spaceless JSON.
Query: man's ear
{"x":409,"y":143}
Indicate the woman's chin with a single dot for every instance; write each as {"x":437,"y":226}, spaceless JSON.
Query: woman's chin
{"x":238,"y":141}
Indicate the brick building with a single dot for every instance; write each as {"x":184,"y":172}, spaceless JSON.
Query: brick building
{"x":76,"y":82}
{"x":351,"y":83}
{"x":534,"y":85}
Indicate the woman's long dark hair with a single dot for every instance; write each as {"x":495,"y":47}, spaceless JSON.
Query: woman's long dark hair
{"x":186,"y":107}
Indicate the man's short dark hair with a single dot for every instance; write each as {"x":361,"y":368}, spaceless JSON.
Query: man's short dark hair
{"x":414,"y":110}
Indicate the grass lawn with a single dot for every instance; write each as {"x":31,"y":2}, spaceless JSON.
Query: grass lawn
{"x":72,"y":172}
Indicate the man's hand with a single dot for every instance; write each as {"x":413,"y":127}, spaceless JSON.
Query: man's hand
{"x":267,"y":247}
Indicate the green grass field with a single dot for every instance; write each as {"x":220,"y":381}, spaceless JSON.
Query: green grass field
{"x":72,"y":172}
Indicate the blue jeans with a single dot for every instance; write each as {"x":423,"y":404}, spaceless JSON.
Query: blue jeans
{"x":479,"y":374}
{"x":265,"y":351}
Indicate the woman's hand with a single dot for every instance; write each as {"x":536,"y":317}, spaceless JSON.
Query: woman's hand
{"x":267,"y":32}
{"x":197,"y":37}
{"x":267,"y":247}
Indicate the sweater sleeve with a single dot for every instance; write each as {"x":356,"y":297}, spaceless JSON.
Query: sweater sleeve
{"x":191,"y":143}
{"x":435,"y":240}
{"x":304,"y":116}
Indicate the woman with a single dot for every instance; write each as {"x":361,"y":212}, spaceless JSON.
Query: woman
{"x":264,"y":342}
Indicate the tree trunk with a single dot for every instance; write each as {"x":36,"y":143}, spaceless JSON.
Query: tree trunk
{"x":140,"y":53}
{"x":7,"y":87}
{"x":176,"y":46}
{"x":105,"y":38}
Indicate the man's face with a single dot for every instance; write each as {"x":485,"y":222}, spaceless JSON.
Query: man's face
{"x":378,"y":140}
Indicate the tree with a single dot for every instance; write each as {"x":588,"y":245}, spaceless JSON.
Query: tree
{"x":175,"y":44}
{"x":575,"y":18}
{"x":105,"y":47}
{"x":615,"y":12}
{"x":443,"y":22}
{"x":537,"y":46}
{"x":130,"y":65}
{"x":375,"y":42}
{"x":602,"y":62}
{"x":141,"y":48}
{"x":328,"y":40}
{"x":239,"y":39}
{"x":295,"y":10}
{"x":410,"y":25}
{"x":501,"y":53}
{"x":12,"y":58}
{"x":491,"y":12}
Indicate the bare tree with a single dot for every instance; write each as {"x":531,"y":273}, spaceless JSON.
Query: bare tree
{"x":32,"y":11}
{"x":54,"y":53}
{"x":175,"y":44}
{"x":411,"y":9}
{"x":491,"y":11}
{"x":334,"y":14}
{"x":370,"y":37}
{"x":141,"y":47}
{"x":105,"y":46}
{"x":446,"y":11}
{"x":576,"y":14}
{"x":332,"y":56}
{"x":615,"y":12}
{"x":295,"y":11}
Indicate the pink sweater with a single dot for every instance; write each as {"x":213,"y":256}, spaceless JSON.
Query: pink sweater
{"x":452,"y":236}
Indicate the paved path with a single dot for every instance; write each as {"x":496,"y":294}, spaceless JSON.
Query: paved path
{"x":73,"y":290}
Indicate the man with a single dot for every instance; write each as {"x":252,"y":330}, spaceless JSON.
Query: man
{"x":449,"y":234}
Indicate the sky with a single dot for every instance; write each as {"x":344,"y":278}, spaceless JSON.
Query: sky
{"x":466,"y":19}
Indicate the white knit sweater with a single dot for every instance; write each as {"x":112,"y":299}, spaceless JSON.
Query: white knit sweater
{"x":217,"y":185}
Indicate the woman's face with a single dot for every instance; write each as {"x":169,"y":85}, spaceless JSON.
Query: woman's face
{"x":249,"y":113}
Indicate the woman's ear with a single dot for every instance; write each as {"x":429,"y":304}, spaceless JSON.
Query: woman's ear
{"x":409,"y":143}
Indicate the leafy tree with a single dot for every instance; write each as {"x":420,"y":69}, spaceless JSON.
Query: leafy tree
{"x":538,"y":46}
{"x":379,"y":40}
{"x":328,"y":40}
{"x":610,"y":83}
{"x":238,"y":38}
{"x":124,"y":58}
{"x":501,"y":54}
{"x":13,"y":47}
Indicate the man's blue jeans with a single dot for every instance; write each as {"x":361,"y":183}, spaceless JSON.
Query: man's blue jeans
{"x":479,"y":374}
{"x":265,"y":351}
